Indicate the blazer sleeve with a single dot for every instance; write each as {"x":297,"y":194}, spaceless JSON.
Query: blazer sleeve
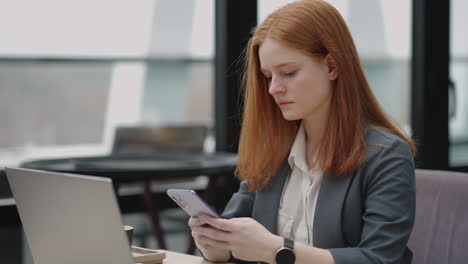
{"x":240,"y":204}
{"x":389,"y":208}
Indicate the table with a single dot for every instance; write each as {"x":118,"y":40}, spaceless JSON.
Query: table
{"x":139,"y":167}
{"x":126,"y":168}
{"x":179,"y":258}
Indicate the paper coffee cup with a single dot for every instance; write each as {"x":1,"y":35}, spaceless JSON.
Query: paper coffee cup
{"x":129,"y":231}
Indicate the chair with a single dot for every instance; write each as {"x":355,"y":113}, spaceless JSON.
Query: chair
{"x":440,"y":233}
{"x":146,"y":139}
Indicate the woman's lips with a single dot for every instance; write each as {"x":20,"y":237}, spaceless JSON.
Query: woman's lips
{"x":282,"y":104}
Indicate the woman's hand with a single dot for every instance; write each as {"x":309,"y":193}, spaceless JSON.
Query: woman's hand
{"x":205,"y":244}
{"x":201,"y":241}
{"x":244,"y":237}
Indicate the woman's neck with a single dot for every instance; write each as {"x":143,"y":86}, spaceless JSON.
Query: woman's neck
{"x":314,"y":129}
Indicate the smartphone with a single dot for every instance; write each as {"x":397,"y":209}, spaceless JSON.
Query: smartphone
{"x":191,"y":202}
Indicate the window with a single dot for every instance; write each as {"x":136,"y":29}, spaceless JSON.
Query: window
{"x":458,"y":120}
{"x":71,"y":72}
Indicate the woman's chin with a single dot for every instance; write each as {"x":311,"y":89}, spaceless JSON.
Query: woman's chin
{"x":291,"y":117}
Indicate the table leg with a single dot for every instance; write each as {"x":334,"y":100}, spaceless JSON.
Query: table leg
{"x":153,"y":212}
{"x":116,"y":185}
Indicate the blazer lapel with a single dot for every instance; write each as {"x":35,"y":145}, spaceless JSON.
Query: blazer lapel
{"x":267,"y":200}
{"x":328,"y":211}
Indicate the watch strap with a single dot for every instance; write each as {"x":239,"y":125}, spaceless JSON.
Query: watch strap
{"x":289,"y":243}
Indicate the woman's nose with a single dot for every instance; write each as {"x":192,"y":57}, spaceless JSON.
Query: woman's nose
{"x":275,"y":86}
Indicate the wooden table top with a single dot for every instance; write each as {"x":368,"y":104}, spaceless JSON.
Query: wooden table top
{"x":180,"y":258}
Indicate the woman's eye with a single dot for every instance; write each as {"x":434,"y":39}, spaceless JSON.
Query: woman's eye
{"x":289,"y":74}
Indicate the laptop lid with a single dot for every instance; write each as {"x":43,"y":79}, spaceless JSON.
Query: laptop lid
{"x":69,"y":218}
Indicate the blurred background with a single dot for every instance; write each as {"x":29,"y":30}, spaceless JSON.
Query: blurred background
{"x":71,"y":72}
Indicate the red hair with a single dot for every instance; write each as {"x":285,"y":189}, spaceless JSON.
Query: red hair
{"x":315,"y":28}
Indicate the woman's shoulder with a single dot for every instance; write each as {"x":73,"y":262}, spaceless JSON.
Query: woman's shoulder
{"x":381,"y":141}
{"x":389,"y":153}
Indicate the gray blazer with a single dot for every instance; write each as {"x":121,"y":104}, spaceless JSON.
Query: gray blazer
{"x":364,"y":217}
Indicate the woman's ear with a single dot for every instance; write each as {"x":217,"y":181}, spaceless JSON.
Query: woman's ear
{"x":333,"y":70}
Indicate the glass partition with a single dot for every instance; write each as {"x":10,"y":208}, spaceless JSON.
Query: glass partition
{"x":458,"y":97}
{"x":70,"y":72}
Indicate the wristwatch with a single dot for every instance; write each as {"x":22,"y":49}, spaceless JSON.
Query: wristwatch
{"x":285,"y":255}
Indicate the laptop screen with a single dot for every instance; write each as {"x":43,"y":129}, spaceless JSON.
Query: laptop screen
{"x":69,"y":218}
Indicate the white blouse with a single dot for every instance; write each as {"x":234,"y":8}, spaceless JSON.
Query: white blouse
{"x":300,"y":192}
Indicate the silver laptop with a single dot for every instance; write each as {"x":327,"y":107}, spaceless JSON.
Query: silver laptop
{"x":68,"y":218}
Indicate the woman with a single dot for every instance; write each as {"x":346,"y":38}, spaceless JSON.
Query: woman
{"x":326,"y":176}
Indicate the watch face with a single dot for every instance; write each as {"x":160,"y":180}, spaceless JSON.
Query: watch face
{"x":285,"y":256}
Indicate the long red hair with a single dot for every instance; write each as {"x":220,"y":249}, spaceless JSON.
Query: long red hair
{"x":316,"y":28}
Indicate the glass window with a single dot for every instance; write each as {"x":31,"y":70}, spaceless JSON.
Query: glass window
{"x":458,"y":98}
{"x":70,"y":72}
